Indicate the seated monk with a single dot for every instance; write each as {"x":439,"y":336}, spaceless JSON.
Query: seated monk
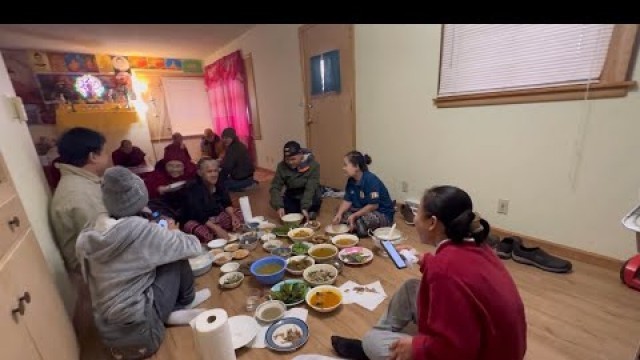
{"x":164,"y":194}
{"x":128,"y":155}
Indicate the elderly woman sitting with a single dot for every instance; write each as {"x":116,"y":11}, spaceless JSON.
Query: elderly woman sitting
{"x":206,"y":208}
{"x":165,"y":184}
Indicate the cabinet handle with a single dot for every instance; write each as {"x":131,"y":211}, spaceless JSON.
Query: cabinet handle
{"x":14,"y":223}
{"x":25,"y":298}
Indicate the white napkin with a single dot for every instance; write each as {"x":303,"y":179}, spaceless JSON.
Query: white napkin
{"x":259,"y":343}
{"x":366,"y":299}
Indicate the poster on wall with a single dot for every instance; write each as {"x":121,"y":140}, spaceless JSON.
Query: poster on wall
{"x":104,"y":63}
{"x":173,"y":64}
{"x":56,"y":62}
{"x":39,"y":61}
{"x":192,"y":66}
{"x":19,"y":67}
{"x":155,"y":63}
{"x":138,"y":62}
{"x":80,"y":62}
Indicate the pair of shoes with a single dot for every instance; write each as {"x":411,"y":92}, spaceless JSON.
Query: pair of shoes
{"x":348,"y":348}
{"x":408,"y":214}
{"x":512,"y":247}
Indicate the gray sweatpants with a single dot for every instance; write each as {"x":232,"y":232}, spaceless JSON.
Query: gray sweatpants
{"x":395,"y":323}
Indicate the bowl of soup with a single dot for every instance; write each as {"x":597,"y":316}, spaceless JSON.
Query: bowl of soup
{"x":324,"y":298}
{"x":345,"y":241}
{"x":323,"y":252}
{"x":269,"y":270}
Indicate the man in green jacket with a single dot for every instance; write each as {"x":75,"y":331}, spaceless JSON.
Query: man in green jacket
{"x":298,"y":174}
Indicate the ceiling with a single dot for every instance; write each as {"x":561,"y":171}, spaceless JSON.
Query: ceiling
{"x":162,"y":40}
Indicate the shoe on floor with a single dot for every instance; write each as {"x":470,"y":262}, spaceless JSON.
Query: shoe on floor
{"x":504,"y":249}
{"x":407,"y":214}
{"x":539,"y":258}
{"x":348,"y":348}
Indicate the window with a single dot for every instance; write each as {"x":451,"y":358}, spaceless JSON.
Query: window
{"x":325,"y":73}
{"x":517,"y":63}
{"x":187,"y":105}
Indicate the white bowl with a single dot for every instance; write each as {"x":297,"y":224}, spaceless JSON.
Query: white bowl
{"x":270,"y":304}
{"x":308,"y":231}
{"x":332,"y":271}
{"x":272,"y":244}
{"x":217,"y":243}
{"x":299,"y":258}
{"x":352,"y":238}
{"x":324,"y":288}
{"x":267,"y":237}
{"x":227,"y":276}
{"x":200,"y":265}
{"x":322,"y":246}
{"x":222,"y":258}
{"x":293,"y":218}
{"x":383,"y":234}
{"x":230,"y":267}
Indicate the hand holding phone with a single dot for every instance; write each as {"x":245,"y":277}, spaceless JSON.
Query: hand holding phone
{"x":398,"y":261}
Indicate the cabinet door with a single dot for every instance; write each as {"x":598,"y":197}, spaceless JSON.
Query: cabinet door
{"x":15,"y":343}
{"x":45,"y":317}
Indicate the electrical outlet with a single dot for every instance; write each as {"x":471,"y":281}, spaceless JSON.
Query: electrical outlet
{"x":503,"y":206}
{"x":405,"y":186}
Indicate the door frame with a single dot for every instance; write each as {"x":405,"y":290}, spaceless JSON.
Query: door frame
{"x":305,"y":80}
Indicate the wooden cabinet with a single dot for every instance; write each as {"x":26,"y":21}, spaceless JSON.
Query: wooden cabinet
{"x":33,"y":322}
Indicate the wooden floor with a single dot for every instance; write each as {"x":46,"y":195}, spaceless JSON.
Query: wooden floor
{"x":585,"y":315}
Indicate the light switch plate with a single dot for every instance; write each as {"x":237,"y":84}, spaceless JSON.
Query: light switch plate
{"x":19,"y":111}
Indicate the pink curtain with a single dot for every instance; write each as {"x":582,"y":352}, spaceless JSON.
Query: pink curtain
{"x":226,"y":85}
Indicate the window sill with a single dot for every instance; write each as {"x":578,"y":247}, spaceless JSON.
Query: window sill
{"x":559,"y":93}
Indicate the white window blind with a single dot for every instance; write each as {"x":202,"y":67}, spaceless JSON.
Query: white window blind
{"x":187,"y":105}
{"x":480,"y":58}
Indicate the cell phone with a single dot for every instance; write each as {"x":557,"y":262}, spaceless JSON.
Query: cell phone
{"x":395,"y":256}
{"x":155,"y":215}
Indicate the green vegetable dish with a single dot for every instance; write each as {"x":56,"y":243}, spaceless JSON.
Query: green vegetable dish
{"x":282,"y":231}
{"x":290,"y":292}
{"x":300,"y":248}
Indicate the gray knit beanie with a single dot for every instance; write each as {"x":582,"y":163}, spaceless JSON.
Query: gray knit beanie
{"x":123,"y":192}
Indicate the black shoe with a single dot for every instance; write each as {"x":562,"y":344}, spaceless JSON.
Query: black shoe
{"x":539,"y":258}
{"x":504,"y":249}
{"x":407,"y":214}
{"x":348,"y":348}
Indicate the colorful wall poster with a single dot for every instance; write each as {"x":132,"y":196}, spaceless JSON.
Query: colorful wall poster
{"x":138,"y":62}
{"x":56,"y":62}
{"x":104,"y":63}
{"x":52,"y":85}
{"x":173,"y":64}
{"x":120,"y":63}
{"x":80,"y":62}
{"x":39,"y":61}
{"x":155,"y":63}
{"x":192,"y":66}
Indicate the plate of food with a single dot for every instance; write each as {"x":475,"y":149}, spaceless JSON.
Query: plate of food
{"x":301,"y":248}
{"x":290,"y":292}
{"x":297,"y":264}
{"x":355,"y":255}
{"x":287,"y":334}
{"x":282,"y":231}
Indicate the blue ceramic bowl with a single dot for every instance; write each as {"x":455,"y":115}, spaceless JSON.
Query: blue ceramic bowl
{"x":272,"y":278}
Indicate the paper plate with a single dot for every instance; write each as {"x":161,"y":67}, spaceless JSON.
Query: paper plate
{"x":274,"y":338}
{"x":243,"y":330}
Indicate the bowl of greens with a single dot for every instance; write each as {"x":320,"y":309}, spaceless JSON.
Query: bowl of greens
{"x":290,"y":292}
{"x":300,"y":248}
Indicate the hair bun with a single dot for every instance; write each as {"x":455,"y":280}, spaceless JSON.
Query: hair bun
{"x":367,"y":159}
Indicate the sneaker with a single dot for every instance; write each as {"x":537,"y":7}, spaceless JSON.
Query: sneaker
{"x":407,"y":214}
{"x":539,"y":258}
{"x":504,"y":249}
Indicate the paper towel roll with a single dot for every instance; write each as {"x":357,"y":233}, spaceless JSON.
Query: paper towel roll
{"x":213,"y":335}
{"x":245,"y":207}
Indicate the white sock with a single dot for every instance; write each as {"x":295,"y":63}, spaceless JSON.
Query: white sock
{"x":201,"y":296}
{"x":183,"y":317}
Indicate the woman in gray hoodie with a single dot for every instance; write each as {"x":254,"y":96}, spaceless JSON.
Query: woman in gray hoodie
{"x":137,"y":270}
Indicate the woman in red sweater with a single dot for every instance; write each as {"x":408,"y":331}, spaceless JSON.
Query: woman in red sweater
{"x":466,"y":305}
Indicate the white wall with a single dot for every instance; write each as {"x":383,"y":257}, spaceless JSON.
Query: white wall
{"x":278,"y":78}
{"x":523,"y":153}
{"x":26,"y":173}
